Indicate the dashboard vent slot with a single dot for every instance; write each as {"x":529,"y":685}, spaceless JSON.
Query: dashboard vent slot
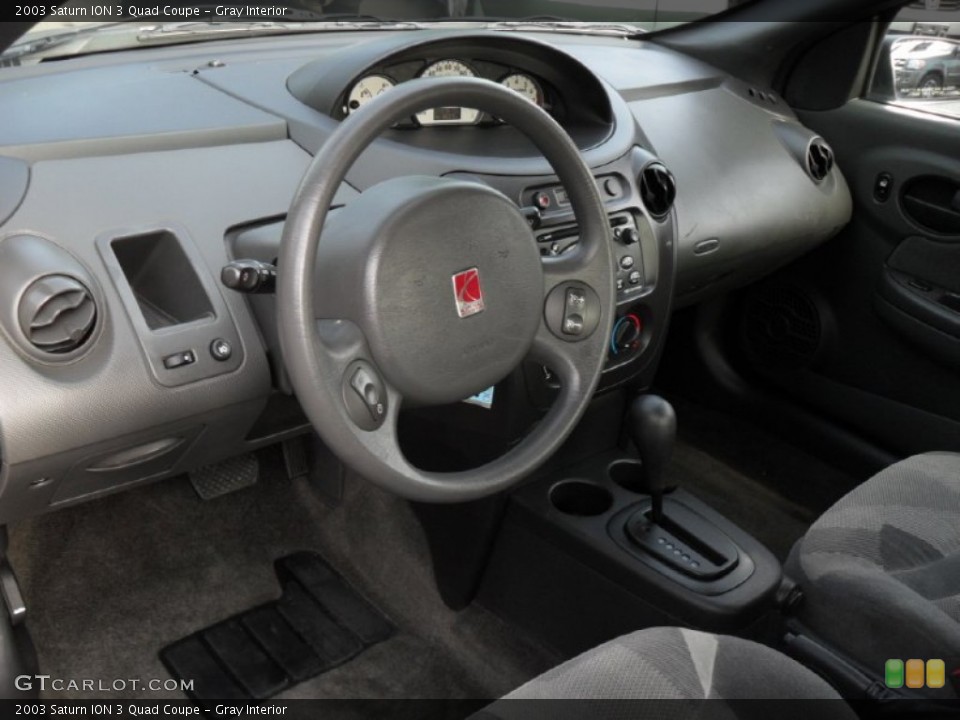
{"x":658,"y":189}
{"x":819,"y":159}
{"x":57,"y":314}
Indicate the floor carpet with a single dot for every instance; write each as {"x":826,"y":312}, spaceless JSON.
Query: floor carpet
{"x":110,"y":583}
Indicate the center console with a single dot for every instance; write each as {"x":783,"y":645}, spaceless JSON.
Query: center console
{"x":609,"y":546}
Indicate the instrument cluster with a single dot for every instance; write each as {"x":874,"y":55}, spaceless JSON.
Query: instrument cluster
{"x":377,"y":83}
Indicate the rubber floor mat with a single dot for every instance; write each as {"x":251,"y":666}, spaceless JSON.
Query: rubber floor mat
{"x":318,"y":623}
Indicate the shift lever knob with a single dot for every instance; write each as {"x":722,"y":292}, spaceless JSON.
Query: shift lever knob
{"x":653,"y":428}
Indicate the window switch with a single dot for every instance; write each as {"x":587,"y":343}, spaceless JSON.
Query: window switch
{"x":883,"y":187}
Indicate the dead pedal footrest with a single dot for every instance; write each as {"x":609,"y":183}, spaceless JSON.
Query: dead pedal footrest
{"x":212,"y":481}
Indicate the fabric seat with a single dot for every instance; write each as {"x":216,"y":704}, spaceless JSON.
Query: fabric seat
{"x":880,"y":570}
{"x":671,"y":664}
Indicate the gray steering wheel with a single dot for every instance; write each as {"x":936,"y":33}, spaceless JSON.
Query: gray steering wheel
{"x":427,"y":290}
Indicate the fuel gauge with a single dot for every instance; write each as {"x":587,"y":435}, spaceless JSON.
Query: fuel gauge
{"x":366,"y":89}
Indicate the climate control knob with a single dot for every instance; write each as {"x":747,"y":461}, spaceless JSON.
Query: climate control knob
{"x":627,"y":334}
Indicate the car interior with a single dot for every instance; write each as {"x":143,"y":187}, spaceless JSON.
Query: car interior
{"x":482,"y":352}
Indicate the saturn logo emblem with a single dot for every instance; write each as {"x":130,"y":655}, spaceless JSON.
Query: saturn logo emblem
{"x":468,"y":293}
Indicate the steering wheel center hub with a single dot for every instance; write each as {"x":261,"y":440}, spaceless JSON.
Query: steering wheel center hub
{"x":447,"y":283}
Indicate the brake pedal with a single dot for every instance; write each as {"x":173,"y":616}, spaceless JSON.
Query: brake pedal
{"x":227,"y":476}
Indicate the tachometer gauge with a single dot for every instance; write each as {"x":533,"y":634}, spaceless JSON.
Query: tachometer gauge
{"x":526,"y":86}
{"x":367,"y":89}
{"x":448,"y":115}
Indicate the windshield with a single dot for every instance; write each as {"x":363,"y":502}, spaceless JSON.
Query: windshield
{"x":83,"y":27}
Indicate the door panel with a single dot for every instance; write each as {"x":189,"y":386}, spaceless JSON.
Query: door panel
{"x":884,"y":295}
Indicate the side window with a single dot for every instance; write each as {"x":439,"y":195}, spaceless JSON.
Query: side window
{"x":919,"y":66}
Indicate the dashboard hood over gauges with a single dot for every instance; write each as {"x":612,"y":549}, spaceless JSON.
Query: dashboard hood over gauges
{"x":583,"y":105}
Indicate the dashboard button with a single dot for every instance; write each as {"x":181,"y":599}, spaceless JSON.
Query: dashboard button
{"x":629,"y":236}
{"x":542,"y":200}
{"x":221,"y":350}
{"x":179,"y":360}
{"x":366,"y":386}
{"x":627,"y":262}
{"x":635,"y":277}
{"x":576,"y":300}
{"x":573,"y":325}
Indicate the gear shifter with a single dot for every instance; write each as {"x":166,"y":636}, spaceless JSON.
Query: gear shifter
{"x":681,"y":538}
{"x":653,"y":428}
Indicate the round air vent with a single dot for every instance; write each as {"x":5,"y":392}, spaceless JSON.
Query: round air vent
{"x":658,"y":189}
{"x":57,"y":314}
{"x":819,"y":159}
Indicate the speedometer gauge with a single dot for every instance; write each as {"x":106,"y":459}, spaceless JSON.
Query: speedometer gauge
{"x":448,"y":68}
{"x":526,"y":86}
{"x":367,"y":89}
{"x":448,"y":115}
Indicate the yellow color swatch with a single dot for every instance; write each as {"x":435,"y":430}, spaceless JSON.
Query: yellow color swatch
{"x":915,"y":673}
{"x":936,"y":674}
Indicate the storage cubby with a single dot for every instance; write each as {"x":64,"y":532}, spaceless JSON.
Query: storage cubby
{"x":162,"y":279}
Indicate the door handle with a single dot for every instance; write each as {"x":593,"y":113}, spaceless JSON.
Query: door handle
{"x":933,"y":202}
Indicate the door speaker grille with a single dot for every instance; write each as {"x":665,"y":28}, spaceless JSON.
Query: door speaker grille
{"x":782,"y":326}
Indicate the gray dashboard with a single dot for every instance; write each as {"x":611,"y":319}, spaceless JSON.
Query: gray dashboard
{"x":191,"y":154}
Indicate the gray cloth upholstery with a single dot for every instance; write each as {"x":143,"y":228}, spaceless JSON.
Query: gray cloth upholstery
{"x":880,"y":570}
{"x":669,"y":664}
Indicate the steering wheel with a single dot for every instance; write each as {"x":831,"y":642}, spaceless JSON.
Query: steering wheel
{"x":427,"y":290}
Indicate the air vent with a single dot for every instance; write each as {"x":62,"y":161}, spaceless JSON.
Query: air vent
{"x":57,"y":314}
{"x":658,"y":189}
{"x":819,"y":159}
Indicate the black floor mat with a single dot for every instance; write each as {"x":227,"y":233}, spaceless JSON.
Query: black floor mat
{"x":318,"y":623}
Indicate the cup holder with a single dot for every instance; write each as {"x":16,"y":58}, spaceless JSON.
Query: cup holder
{"x":629,"y":474}
{"x":580,"y":498}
